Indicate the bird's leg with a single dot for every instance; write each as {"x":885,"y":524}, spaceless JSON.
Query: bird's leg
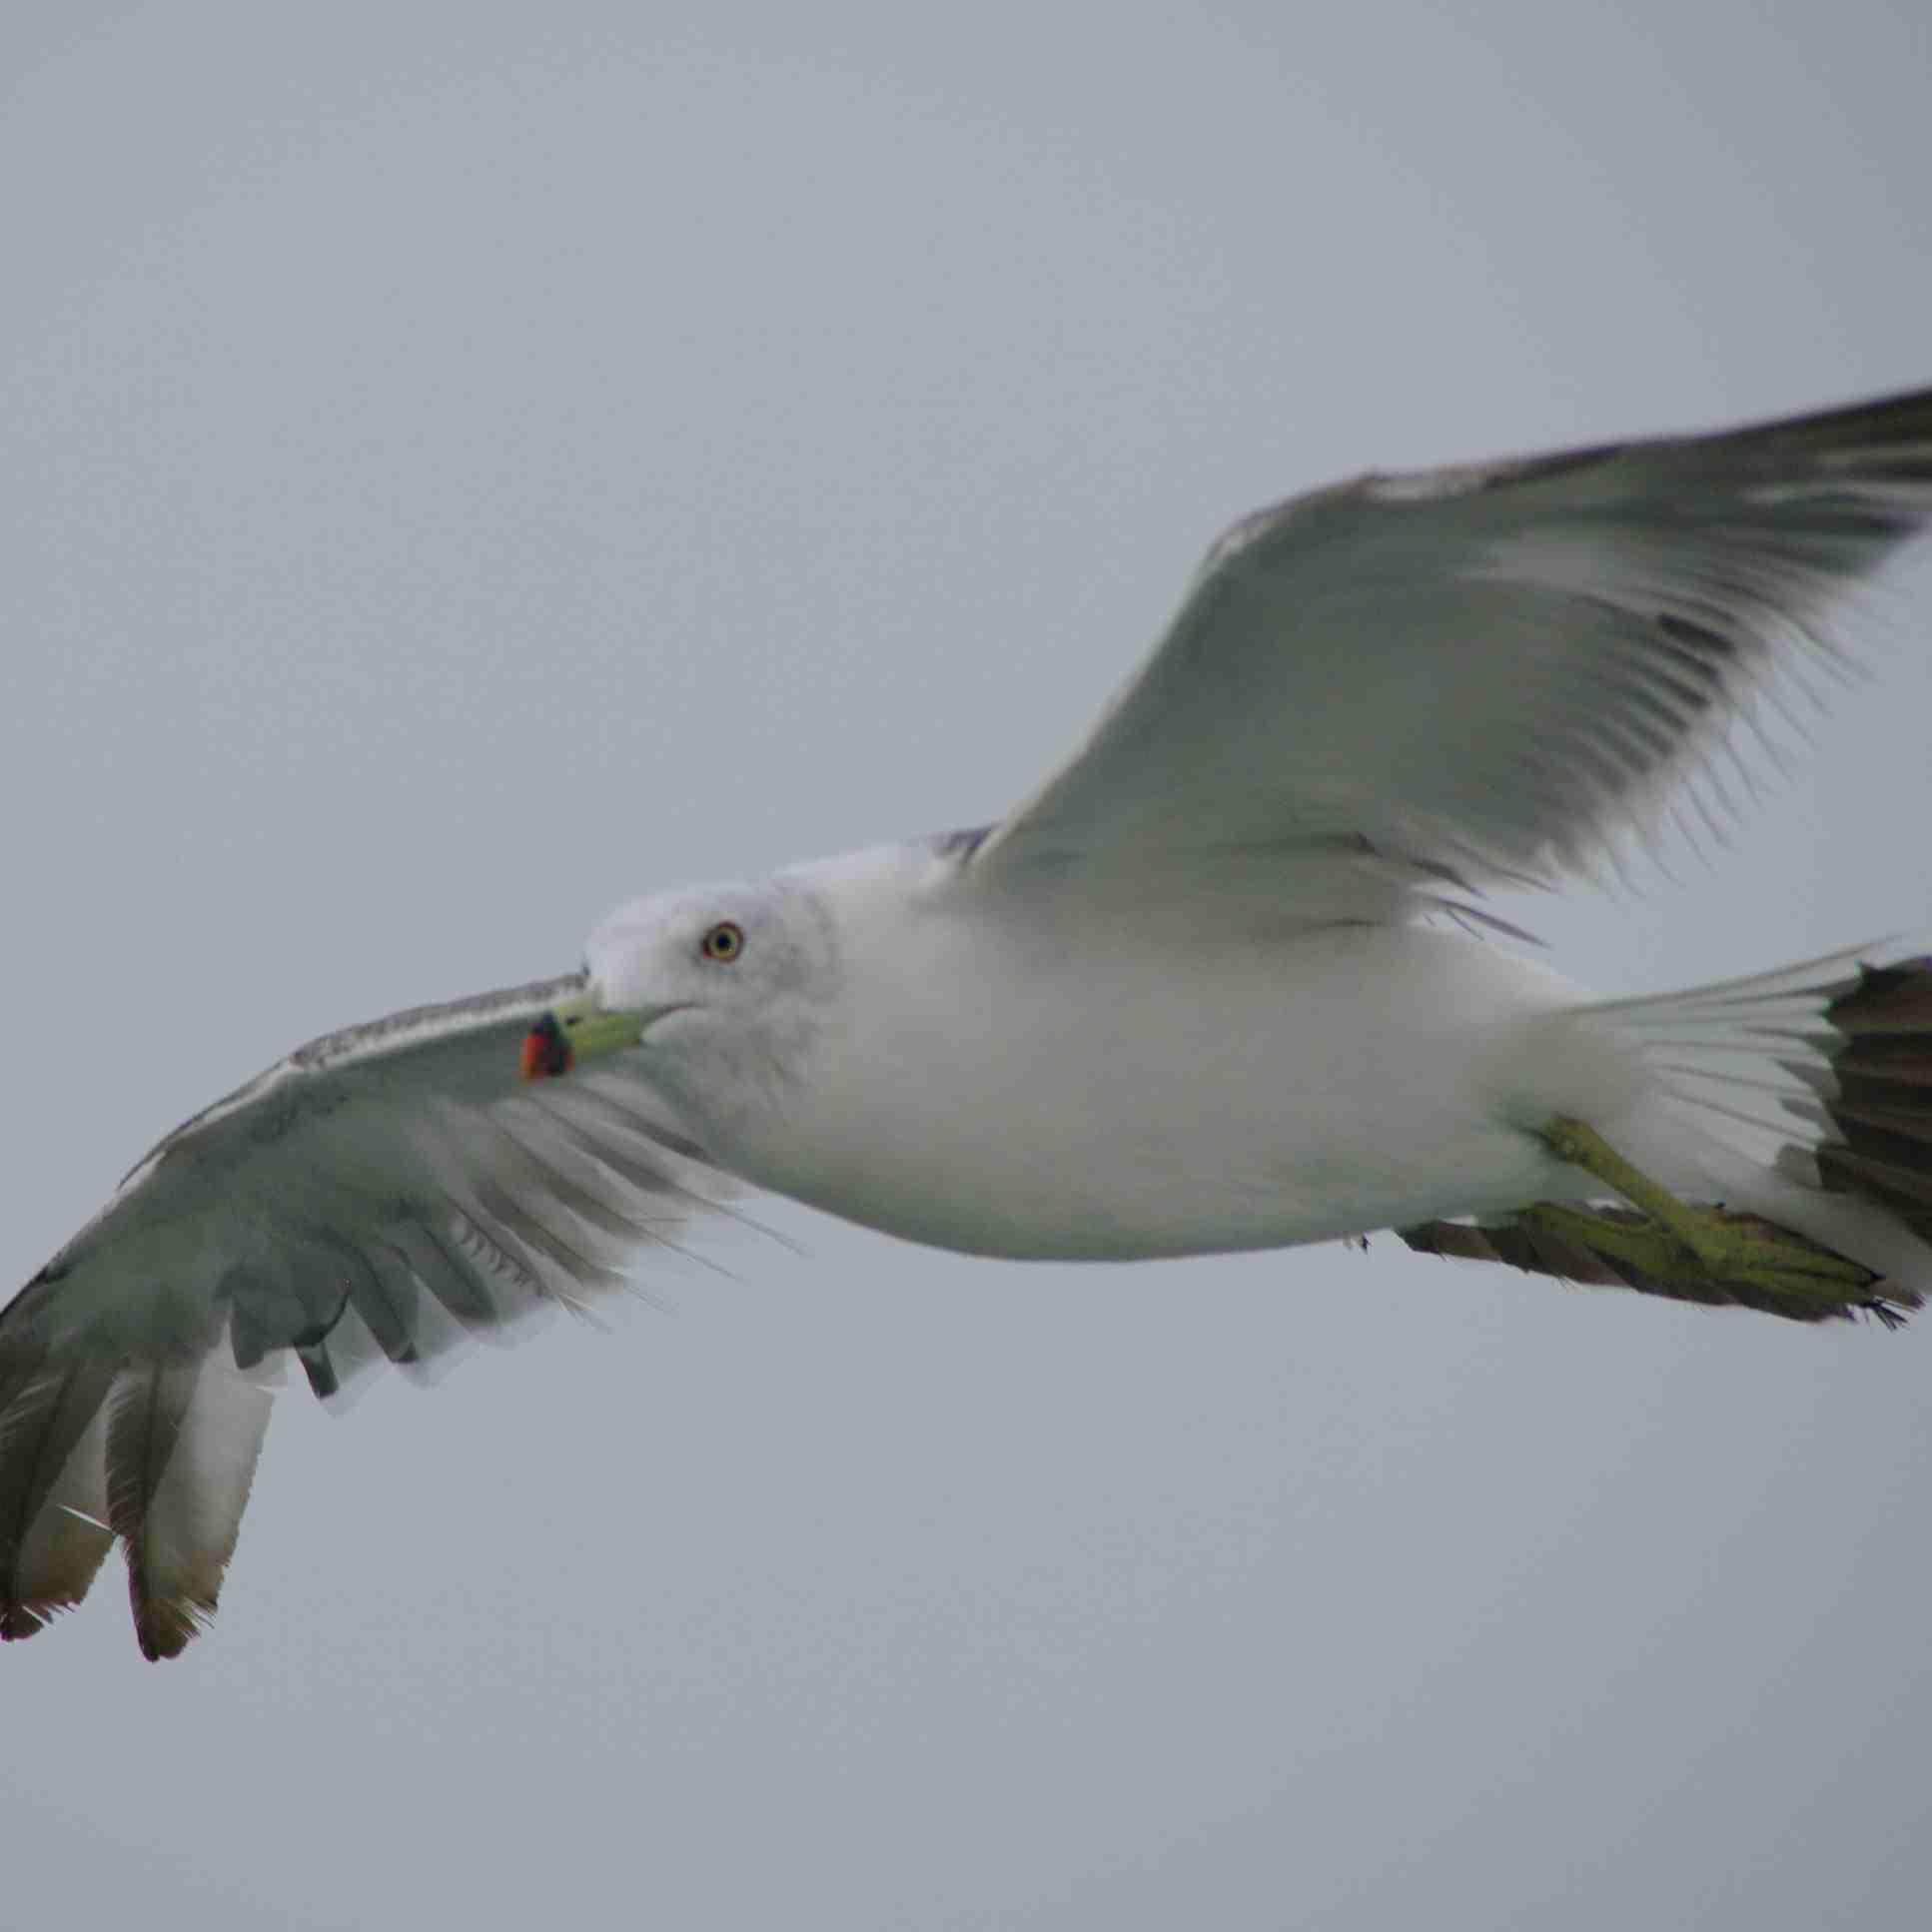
{"x":1686,"y":1242}
{"x":1582,"y":1146}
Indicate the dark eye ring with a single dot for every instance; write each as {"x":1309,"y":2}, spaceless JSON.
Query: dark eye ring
{"x":723,"y":943}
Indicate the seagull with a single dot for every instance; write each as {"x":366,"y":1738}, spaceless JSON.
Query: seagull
{"x":1226,"y":981}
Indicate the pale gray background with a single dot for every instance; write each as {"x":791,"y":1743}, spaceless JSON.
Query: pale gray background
{"x":466,"y":464}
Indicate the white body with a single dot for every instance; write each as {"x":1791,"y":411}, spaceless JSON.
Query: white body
{"x":1010,"y":1080}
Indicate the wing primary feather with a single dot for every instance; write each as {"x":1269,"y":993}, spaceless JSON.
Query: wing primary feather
{"x":319,"y":1367}
{"x":581,"y":1201}
{"x":652,"y":1181}
{"x":505,"y":1208}
{"x":605,"y":1091}
{"x":386,"y":1307}
{"x":182,"y":1437}
{"x":146,"y":1413}
{"x":50,"y":1468}
{"x":631,"y":1168}
{"x":455,"y":1285}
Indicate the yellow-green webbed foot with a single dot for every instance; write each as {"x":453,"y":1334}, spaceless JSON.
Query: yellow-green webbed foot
{"x":1703,"y":1252}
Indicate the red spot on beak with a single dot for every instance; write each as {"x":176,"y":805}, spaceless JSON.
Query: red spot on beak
{"x":546,"y":1050}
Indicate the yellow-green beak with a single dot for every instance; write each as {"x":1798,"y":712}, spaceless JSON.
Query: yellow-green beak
{"x":573,"y":1031}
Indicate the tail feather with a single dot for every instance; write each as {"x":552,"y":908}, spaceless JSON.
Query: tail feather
{"x":1881,"y":1108}
{"x":1798,"y":1102}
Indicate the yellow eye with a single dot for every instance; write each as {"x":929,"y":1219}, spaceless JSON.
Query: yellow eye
{"x":724,"y":942}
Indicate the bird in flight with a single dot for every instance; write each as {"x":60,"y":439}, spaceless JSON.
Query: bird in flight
{"x":1225,"y":981}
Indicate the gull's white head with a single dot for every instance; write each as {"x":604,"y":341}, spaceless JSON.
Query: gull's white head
{"x":717,"y":952}
{"x":719,"y":988}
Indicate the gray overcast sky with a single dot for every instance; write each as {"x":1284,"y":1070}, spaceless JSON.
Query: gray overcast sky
{"x":467,"y":465}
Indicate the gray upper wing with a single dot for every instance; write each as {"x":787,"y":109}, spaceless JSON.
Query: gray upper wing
{"x":381,"y":1191}
{"x":1489,"y":671}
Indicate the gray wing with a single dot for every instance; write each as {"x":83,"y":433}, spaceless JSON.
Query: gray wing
{"x":1487,"y":672}
{"x":381,"y":1193}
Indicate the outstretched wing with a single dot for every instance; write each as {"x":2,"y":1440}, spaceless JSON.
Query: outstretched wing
{"x":380,"y":1193}
{"x":1484,"y":673}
